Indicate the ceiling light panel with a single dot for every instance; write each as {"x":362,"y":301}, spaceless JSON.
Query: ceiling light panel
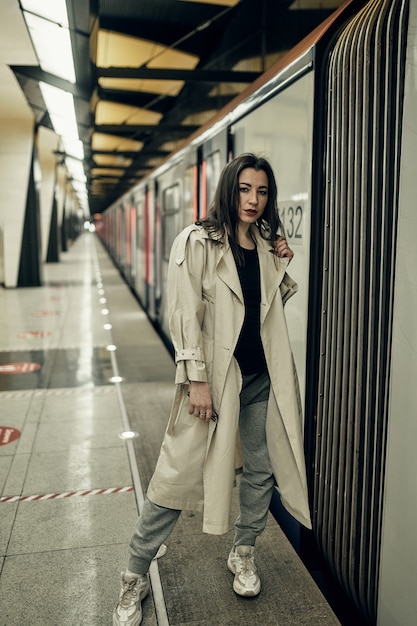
{"x":108,"y":159}
{"x":169,"y":58}
{"x":115,"y":50}
{"x":100,"y":141}
{"x":53,"y":46}
{"x":107,"y":172}
{"x":73,"y":147}
{"x":111,"y":113}
{"x":157,"y":87}
{"x":60,"y":105}
{"x":53,"y":10}
{"x":170,"y":146}
{"x":199,"y":118}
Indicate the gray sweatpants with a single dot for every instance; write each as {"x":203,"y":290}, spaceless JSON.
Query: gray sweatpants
{"x":156,"y":523}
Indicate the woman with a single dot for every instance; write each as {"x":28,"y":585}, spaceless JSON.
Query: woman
{"x":237,"y":395}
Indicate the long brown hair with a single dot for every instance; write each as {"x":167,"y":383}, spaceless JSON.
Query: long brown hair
{"x":223,"y":215}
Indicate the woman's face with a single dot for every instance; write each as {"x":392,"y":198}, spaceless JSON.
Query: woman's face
{"x":253,"y":195}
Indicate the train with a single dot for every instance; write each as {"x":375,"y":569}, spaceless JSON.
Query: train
{"x":336,"y":117}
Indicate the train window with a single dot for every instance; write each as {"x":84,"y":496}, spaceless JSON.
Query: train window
{"x":139,"y":224}
{"x":170,"y":217}
{"x":189,"y":199}
{"x":213,"y":170}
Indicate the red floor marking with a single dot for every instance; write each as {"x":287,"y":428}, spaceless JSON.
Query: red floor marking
{"x":19,"y":368}
{"x":8,"y":434}
{"x":66,"y":494}
{"x":44,"y":313}
{"x":34,"y":333}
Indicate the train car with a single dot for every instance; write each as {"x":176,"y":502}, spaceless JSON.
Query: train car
{"x":336,"y":118}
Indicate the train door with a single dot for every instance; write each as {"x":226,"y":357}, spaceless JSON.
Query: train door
{"x":112,"y":230}
{"x":281,"y":130}
{"x":132,"y":266}
{"x":151,"y":211}
{"x":119,"y":226}
{"x":170,"y":193}
{"x":189,"y":199}
{"x":140,"y":283}
{"x":157,"y":252}
{"x":127,"y":242}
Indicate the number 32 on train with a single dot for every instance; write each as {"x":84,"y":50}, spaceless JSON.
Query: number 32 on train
{"x":291,"y":215}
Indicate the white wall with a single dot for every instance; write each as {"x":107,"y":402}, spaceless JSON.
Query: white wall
{"x":398,"y":572}
{"x":16,"y":132}
{"x":47,"y":143}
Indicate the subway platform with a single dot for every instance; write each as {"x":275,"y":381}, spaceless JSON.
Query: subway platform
{"x":85,"y":392}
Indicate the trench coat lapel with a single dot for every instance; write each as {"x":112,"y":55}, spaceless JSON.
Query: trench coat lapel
{"x":271,"y":274}
{"x":227,"y":272}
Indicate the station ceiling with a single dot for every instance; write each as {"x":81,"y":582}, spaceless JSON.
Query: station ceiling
{"x":151,"y":72}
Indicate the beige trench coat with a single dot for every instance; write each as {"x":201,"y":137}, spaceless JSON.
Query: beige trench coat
{"x":196,"y":466}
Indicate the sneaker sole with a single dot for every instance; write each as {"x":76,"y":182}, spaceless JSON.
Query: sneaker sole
{"x":248,"y":593}
{"x":142,"y":596}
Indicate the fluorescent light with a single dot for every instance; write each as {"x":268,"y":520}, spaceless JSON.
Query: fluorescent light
{"x":73,"y":147}
{"x":53,"y":10}
{"x":78,"y":184}
{"x":53,"y":46}
{"x":76,"y":169}
{"x":61,"y":110}
{"x":47,"y":21}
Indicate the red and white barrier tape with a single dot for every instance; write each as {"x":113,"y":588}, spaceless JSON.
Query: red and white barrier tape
{"x":65,"y":494}
{"x":70,"y":391}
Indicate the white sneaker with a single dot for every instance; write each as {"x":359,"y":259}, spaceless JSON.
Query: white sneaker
{"x":241,"y":562}
{"x":128,"y":611}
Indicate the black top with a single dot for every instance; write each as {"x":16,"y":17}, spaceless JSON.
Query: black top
{"x":249,"y":351}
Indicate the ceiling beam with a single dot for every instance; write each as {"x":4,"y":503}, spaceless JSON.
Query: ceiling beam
{"x":104,"y":166}
{"x":97,"y":166}
{"x":114,"y":178}
{"x":189,"y":76}
{"x":35,"y":73}
{"x":132,"y":154}
{"x":139,"y":99}
{"x":132,"y":129}
{"x":161,"y":103}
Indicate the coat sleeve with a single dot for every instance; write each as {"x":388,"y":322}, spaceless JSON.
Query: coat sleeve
{"x":186,"y":307}
{"x":288,"y":288}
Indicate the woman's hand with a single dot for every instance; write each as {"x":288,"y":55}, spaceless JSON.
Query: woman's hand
{"x":200,"y":403}
{"x":282,"y":249}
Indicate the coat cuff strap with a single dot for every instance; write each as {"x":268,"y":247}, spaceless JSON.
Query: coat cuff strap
{"x":188,"y":354}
